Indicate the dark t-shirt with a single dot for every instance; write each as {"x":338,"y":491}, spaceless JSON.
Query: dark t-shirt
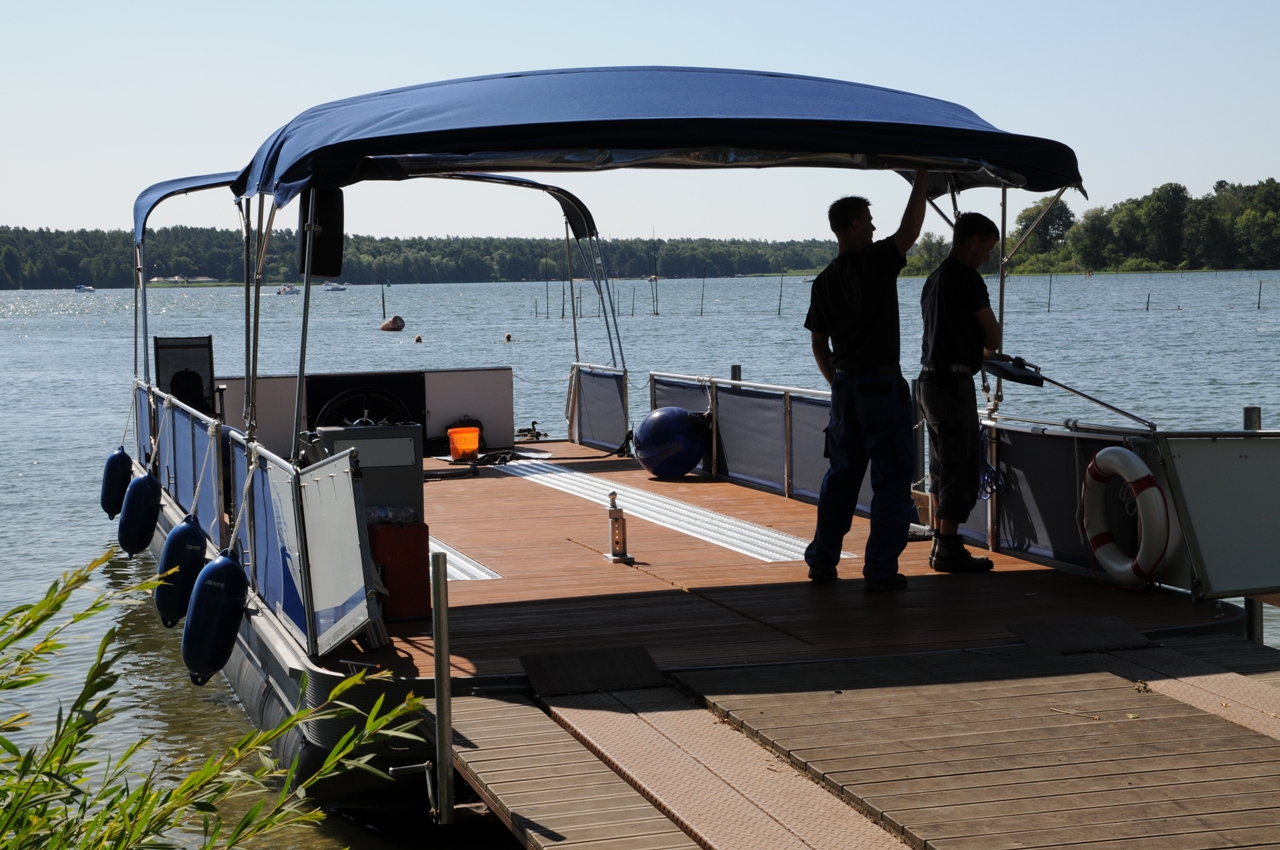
{"x":854,"y":302}
{"x":950,"y":301}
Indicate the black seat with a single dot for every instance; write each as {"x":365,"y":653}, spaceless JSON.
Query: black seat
{"x":184,"y":369}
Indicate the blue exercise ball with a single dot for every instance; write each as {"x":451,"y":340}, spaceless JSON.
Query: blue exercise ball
{"x":184,"y":549}
{"x":213,"y":616}
{"x":115,"y":481}
{"x":139,"y":514}
{"x":671,"y":441}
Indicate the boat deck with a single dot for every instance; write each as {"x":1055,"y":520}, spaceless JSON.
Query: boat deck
{"x":1020,"y":708}
{"x":693,"y":603}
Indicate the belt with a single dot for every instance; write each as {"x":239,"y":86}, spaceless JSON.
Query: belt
{"x":868,"y":371}
{"x":954,"y":368}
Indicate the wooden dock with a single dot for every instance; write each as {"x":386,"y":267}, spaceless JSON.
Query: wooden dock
{"x":963,"y":712}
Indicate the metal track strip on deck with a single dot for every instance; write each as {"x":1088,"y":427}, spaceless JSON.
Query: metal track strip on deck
{"x":462,"y":567}
{"x":757,"y":541}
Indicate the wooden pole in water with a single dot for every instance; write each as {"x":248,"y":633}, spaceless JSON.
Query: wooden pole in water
{"x":1049,"y":307}
{"x":633,"y":300}
{"x":782,"y":275}
{"x":703,"y":298}
{"x":1259,"y":295}
{"x":1148,"y":302}
{"x":562,"y":299}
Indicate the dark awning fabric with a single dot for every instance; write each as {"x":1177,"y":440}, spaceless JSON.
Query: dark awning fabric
{"x":153,"y":195}
{"x":600,"y":118}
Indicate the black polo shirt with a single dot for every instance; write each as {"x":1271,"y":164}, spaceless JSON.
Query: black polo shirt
{"x":949,"y":303}
{"x":854,"y":302}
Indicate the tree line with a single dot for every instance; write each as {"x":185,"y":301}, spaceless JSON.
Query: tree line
{"x":1234,"y":227}
{"x":52,"y":259}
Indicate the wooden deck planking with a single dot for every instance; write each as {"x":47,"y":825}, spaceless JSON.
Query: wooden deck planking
{"x":1002,"y":751}
{"x":546,"y":786}
{"x":693,"y":603}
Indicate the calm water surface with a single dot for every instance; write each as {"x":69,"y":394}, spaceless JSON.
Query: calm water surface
{"x":1199,"y":354}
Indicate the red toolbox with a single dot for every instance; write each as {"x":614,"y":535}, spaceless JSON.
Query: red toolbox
{"x":403,"y":552}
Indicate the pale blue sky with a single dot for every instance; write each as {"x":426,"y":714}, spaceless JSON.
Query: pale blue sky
{"x":100,"y":100}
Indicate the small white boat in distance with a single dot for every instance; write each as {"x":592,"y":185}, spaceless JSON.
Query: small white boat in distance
{"x":288,"y":289}
{"x":83,"y":288}
{"x":333,"y":286}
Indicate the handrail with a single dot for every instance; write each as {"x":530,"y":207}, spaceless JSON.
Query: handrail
{"x":746,"y":385}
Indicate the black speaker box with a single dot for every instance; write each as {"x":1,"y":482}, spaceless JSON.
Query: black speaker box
{"x":326,"y":251}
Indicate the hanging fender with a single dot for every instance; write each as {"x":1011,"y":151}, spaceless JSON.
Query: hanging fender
{"x":1153,"y":516}
{"x":116,"y":475}
{"x":213,"y":616}
{"x":184,"y":550}
{"x":139,"y":514}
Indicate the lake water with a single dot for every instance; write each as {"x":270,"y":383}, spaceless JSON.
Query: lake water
{"x":1201,"y":352}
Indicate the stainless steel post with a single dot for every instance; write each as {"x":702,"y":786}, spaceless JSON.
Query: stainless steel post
{"x":787,"y":472}
{"x":306,"y":312}
{"x":142,"y":287}
{"x":444,"y":709}
{"x":1253,"y":612}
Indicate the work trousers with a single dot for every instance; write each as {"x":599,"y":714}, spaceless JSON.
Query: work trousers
{"x":950,"y":405}
{"x":871,"y":421}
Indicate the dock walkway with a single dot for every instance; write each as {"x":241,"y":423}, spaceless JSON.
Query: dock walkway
{"x":956,"y":714}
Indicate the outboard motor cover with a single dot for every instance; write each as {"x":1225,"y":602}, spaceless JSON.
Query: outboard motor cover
{"x":139,"y":514}
{"x":183,"y":548}
{"x":213,"y":616}
{"x":115,"y":481}
{"x":671,"y":440}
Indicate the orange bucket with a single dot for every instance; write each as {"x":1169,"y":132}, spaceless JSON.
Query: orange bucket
{"x":464,"y":443}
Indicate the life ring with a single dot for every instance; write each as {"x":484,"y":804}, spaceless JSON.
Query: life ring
{"x":1153,"y":516}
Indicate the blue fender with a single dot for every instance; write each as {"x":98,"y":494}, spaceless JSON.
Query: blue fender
{"x":115,"y":481}
{"x":213,"y":616}
{"x":671,"y":440}
{"x":184,"y":549}
{"x":139,"y":514}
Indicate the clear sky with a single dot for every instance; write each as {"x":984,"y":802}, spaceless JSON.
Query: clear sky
{"x":99,"y":100}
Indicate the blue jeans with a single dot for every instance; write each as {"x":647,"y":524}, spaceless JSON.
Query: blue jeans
{"x":871,"y":421}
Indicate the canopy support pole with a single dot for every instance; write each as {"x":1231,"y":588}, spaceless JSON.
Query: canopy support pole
{"x":264,"y":239}
{"x":939,"y":211}
{"x":1036,"y":223}
{"x":573,"y":304}
{"x":137,"y":282}
{"x":993,"y":404}
{"x":245,"y":208}
{"x":306,"y":311}
{"x":142,"y":287}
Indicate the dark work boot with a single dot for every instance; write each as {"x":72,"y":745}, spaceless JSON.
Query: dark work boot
{"x":950,"y":556}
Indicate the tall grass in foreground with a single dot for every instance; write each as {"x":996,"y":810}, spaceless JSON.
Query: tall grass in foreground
{"x":58,"y":794}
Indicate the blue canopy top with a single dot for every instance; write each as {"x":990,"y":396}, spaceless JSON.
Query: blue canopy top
{"x":153,"y":195}
{"x":598,"y":118}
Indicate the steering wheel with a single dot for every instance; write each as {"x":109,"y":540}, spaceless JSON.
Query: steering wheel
{"x":363,"y":406}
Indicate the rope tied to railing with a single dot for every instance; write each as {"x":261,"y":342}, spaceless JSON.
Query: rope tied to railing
{"x":195,"y":495}
{"x":128,"y":417}
{"x":989,"y":480}
{"x":155,"y":454}
{"x":250,"y":467}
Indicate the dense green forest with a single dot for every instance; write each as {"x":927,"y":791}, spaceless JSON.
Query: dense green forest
{"x":1234,"y":227}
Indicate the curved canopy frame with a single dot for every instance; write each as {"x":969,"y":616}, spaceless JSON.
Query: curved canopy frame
{"x":152,"y":196}
{"x":644,"y":117}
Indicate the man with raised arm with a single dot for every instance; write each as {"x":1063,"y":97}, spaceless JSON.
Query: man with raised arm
{"x":853,"y":322}
{"x":958,"y":328}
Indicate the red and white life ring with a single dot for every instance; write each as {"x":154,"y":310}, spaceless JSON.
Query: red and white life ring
{"x":1153,"y":516}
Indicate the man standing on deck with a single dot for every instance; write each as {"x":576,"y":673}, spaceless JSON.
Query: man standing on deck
{"x":958,"y":328}
{"x":853,"y":323}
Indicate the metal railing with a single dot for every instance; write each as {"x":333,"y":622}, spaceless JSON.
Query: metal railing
{"x":597,"y":406}
{"x":772,"y":459}
{"x":186,"y":456}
